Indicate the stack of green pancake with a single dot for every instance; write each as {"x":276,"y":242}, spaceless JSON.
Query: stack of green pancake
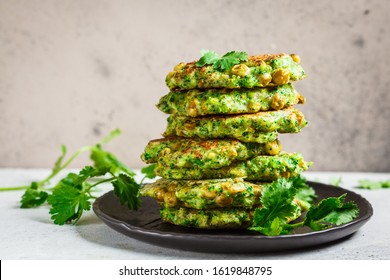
{"x":220,"y":147}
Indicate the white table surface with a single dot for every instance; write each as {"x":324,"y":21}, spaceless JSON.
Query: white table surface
{"x":30,"y":234}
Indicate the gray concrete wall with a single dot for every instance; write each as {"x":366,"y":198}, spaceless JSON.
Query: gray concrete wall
{"x":71,"y":71}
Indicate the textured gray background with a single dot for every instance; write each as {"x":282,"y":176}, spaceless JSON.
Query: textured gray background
{"x":71,"y":71}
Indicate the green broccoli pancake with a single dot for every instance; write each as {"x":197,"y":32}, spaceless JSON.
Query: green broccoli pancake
{"x":214,"y":153}
{"x":204,"y":194}
{"x":195,"y":102}
{"x":208,"y":219}
{"x":260,"y":168}
{"x":212,"y":218}
{"x":258,"y":71}
{"x":244,"y":127}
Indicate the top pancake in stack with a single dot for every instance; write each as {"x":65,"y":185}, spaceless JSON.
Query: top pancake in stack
{"x":257,"y":71}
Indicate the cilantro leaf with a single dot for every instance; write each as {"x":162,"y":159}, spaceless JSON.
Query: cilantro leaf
{"x":299,"y":182}
{"x":149,"y":171}
{"x":68,"y":203}
{"x":76,"y":180}
{"x":89,"y":172}
{"x":373,"y":185}
{"x":277,"y":208}
{"x":104,"y":159}
{"x":208,"y":57}
{"x":274,"y":227}
{"x":305,"y":194}
{"x":279,"y":192}
{"x":127,"y":190}
{"x":229,"y":60}
{"x":336,"y":181}
{"x":331,"y":211}
{"x":72,"y":194}
{"x":33,"y":197}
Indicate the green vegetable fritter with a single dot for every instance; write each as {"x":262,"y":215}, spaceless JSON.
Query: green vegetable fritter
{"x":204,"y":194}
{"x":260,"y":168}
{"x":257,"y":71}
{"x":256,"y":127}
{"x":195,"y":102}
{"x":214,"y":153}
{"x":213,"y":218}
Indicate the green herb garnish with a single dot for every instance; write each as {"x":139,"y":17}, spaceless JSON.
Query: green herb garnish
{"x":373,"y":185}
{"x":329,"y":212}
{"x":279,"y":207}
{"x":305,"y":193}
{"x":336,"y":181}
{"x":227,"y":61}
{"x":73,"y":193}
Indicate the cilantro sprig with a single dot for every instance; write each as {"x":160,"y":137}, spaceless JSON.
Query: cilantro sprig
{"x":336,"y":181}
{"x":227,"y":61}
{"x":279,"y":206}
{"x":73,"y":194}
{"x":373,"y":185}
{"x":329,"y":212}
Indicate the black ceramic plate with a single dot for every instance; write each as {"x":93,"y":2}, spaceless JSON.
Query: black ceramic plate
{"x":146,"y":225}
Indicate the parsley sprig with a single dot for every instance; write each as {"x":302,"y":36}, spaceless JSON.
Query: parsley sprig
{"x":227,"y":61}
{"x":279,"y":206}
{"x":72,"y":195}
